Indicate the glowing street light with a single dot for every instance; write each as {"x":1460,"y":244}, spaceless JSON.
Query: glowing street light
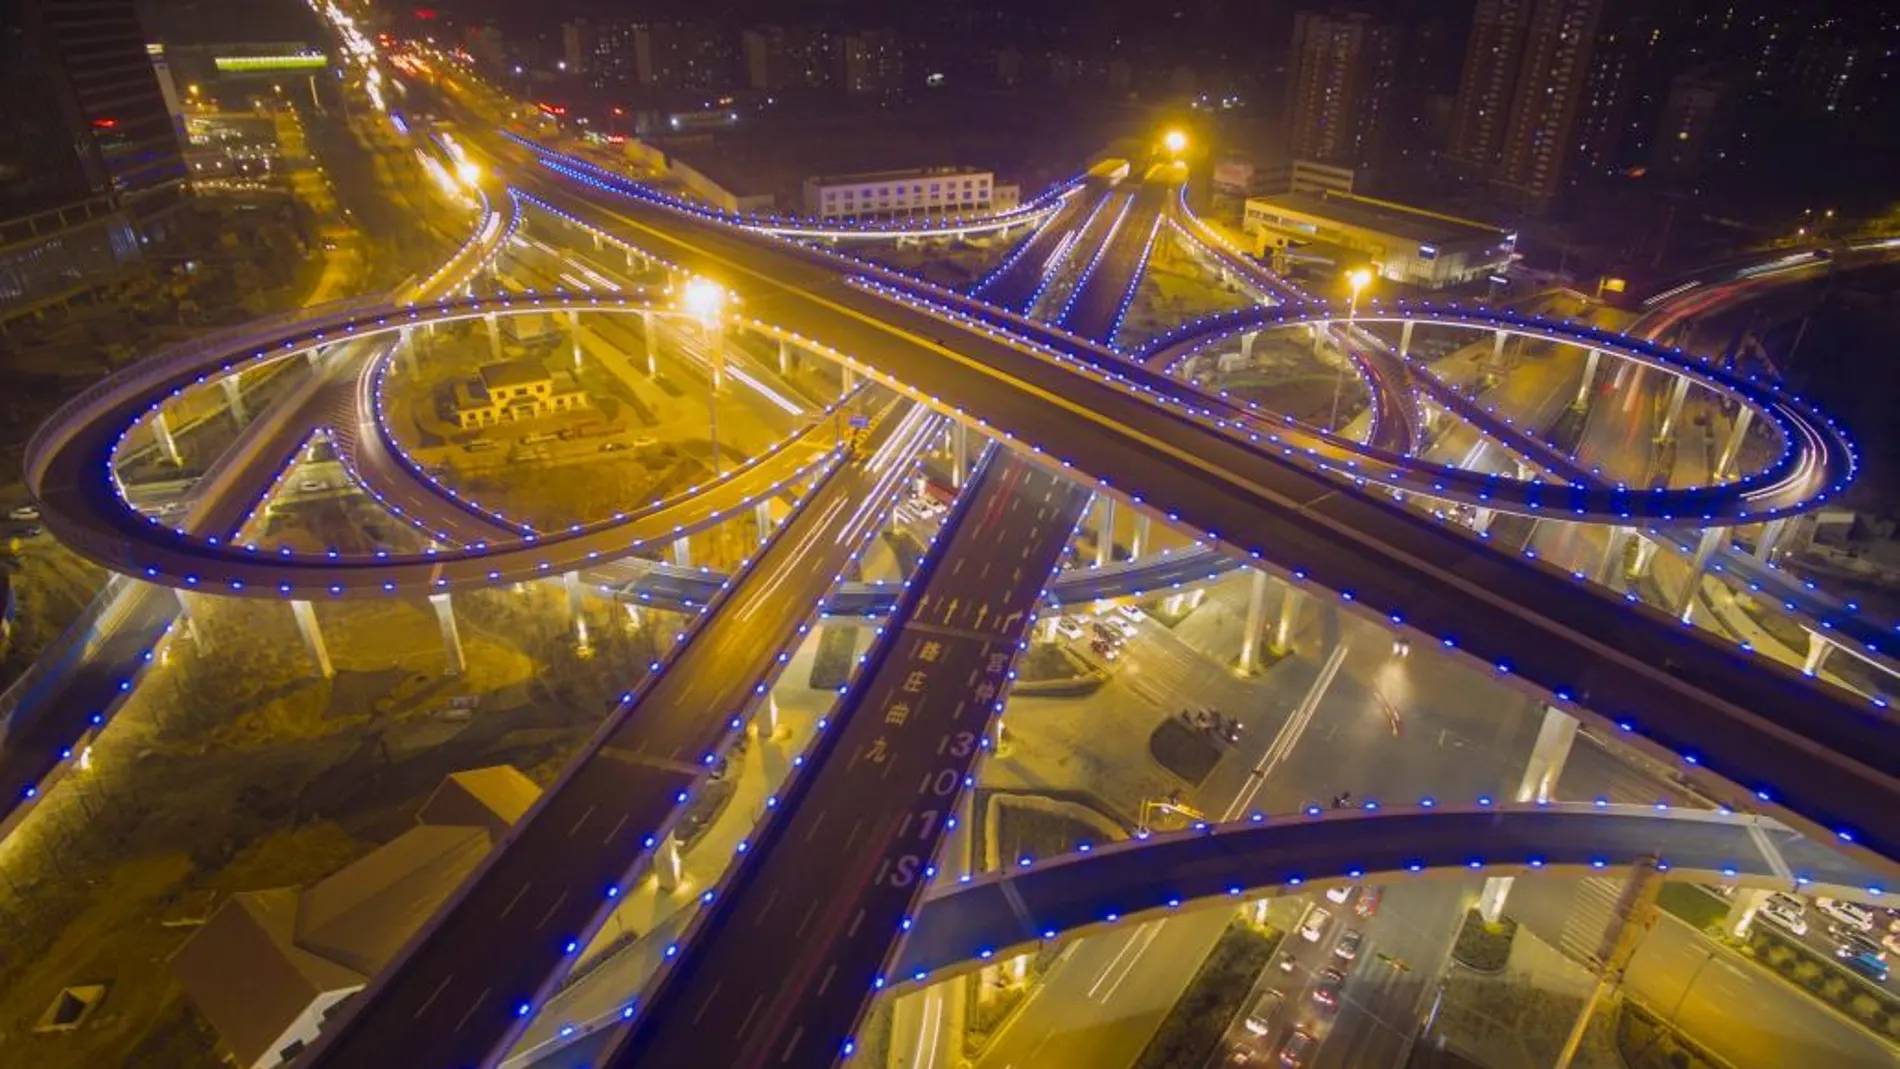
{"x":1357,"y":279}
{"x":704,"y":298}
{"x":1174,"y":141}
{"x":468,"y":173}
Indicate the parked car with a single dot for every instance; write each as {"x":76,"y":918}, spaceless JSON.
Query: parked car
{"x":1326,"y":988}
{"x":1313,"y":925}
{"x":24,"y":513}
{"x":1105,"y":649}
{"x":1869,"y":966}
{"x":1265,"y":1008}
{"x":1297,"y":1048}
{"x":1068,"y":627}
{"x":1779,"y":915}
{"x":1852,"y":914}
{"x":1349,"y":942}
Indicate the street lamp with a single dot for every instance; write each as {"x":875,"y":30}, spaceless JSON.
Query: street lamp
{"x":1357,"y":279}
{"x":469,"y":174}
{"x":1174,"y":141}
{"x":705,"y":300}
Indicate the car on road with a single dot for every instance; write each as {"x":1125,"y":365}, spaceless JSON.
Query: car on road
{"x":1068,"y":627}
{"x":1243,"y":1054}
{"x":1105,"y":649}
{"x":612,"y":447}
{"x":1107,"y":633}
{"x":24,"y":513}
{"x":1849,"y":944}
{"x":1339,"y":894}
{"x":1782,"y":916}
{"x":1118,"y":618}
{"x":1869,"y":966}
{"x":1349,"y":943}
{"x":1297,"y":1048}
{"x":1852,"y":914}
{"x":310,"y":486}
{"x":1368,"y":903}
{"x":1313,"y":925}
{"x":1326,"y":988}
{"x":1265,"y":1008}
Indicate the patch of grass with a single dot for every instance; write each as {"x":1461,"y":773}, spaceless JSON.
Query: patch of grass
{"x":1193,"y":1028}
{"x":1825,"y":979}
{"x":1022,"y":831}
{"x":1182,"y":750}
{"x":1645,"y":1042}
{"x":1483,"y":946}
{"x":1693,"y":904}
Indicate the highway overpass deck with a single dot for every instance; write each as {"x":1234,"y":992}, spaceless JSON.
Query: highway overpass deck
{"x":825,"y":887}
{"x":962,"y":925}
{"x":461,"y":988}
{"x":1730,"y":720}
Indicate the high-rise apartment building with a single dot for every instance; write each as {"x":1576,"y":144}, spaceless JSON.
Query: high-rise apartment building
{"x":778,"y":58}
{"x":1487,"y":86}
{"x":871,"y":61}
{"x":81,"y":112}
{"x":684,"y":56}
{"x":1344,"y":76}
{"x":1551,"y":91}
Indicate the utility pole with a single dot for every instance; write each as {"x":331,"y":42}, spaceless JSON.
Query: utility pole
{"x":1634,"y":916}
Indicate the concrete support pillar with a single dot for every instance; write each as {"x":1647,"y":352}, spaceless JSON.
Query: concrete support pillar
{"x":1770,"y":538}
{"x":1246,"y":346}
{"x":1105,"y":533}
{"x":406,"y":351}
{"x":306,"y":617}
{"x":1046,"y":626}
{"x":571,"y":583}
{"x":1175,"y":605}
{"x":668,"y":870}
{"x":1704,"y":548}
{"x":1256,"y":612}
{"x":1554,"y":738}
{"x":1289,"y":612}
{"x":766,"y":721}
{"x":1615,"y":544}
{"x":784,"y":356}
{"x":683,"y":551}
{"x":762,"y":515}
{"x":162,"y":430}
{"x":1319,"y":337}
{"x":234,"y":397}
{"x":315,"y":355}
{"x":1497,"y":348}
{"x":1405,"y":338}
{"x":188,"y":615}
{"x":451,"y":638}
{"x":1142,"y":530}
{"x":1733,"y":447}
{"x":1742,"y":907}
{"x":959,"y":454}
{"x":650,"y":342}
{"x":1481,"y":519}
{"x":850,"y":380}
{"x":1818,"y":649}
{"x":1676,"y":398}
{"x":1645,"y":555}
{"x":716,"y":355}
{"x":494,"y":335}
{"x":1589,"y":379}
{"x":574,"y":335}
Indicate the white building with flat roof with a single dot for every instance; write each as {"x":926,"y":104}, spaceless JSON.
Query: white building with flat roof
{"x":884,"y":194}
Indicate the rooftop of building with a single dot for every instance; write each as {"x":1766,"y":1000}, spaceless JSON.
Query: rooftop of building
{"x":893,"y":175}
{"x":514,"y":373}
{"x":1365,"y":213}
